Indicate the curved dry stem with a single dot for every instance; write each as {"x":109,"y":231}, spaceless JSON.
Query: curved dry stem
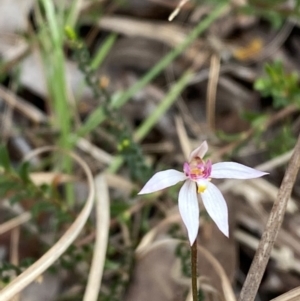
{"x":225,"y":282}
{"x":269,"y":236}
{"x":62,"y":244}
{"x":102,"y":230}
{"x":146,"y":242}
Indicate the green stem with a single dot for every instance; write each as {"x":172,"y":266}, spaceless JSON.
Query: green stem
{"x":194,"y":270}
{"x":98,"y":116}
{"x":160,"y":110}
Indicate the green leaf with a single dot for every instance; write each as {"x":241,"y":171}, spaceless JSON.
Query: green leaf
{"x":23,"y":172}
{"x":4,"y":158}
{"x":41,"y":207}
{"x":118,"y":208}
{"x":5,"y":187}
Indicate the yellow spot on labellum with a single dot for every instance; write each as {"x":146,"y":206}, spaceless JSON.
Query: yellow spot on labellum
{"x":201,"y":188}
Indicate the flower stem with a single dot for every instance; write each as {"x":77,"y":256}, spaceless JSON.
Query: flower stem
{"x":194,"y":270}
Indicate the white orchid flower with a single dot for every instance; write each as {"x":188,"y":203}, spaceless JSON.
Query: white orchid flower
{"x":197,"y":175}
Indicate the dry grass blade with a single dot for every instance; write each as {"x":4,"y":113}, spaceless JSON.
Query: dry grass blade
{"x":269,"y":236}
{"x":270,"y":190}
{"x":40,"y":178}
{"x":283,"y":256}
{"x":275,"y":162}
{"x":212,"y":90}
{"x":147,"y":242}
{"x":293,"y":295}
{"x":226,"y":286}
{"x":15,"y":222}
{"x":37,"y":116}
{"x":177,"y":9}
{"x":166,"y":33}
{"x":183,"y":137}
{"x":266,"y":166}
{"x":14,"y":253}
{"x":102,"y":230}
{"x":22,"y":106}
{"x":97,"y":153}
{"x":120,"y":183}
{"x":62,"y":244}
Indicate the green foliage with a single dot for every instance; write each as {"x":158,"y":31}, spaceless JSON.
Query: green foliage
{"x":283,"y":141}
{"x":256,"y":119}
{"x":265,"y":11}
{"x":73,"y":256}
{"x":281,"y":86}
{"x":119,"y":263}
{"x":16,"y":185}
{"x":14,"y":182}
{"x":227,"y":137}
{"x":8,"y":271}
{"x":117,"y":208}
{"x":127,"y":147}
{"x":274,"y":11}
{"x":183,"y":252}
{"x":4,"y":159}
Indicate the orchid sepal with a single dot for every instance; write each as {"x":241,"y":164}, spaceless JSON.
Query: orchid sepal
{"x":162,"y":180}
{"x":233,"y":170}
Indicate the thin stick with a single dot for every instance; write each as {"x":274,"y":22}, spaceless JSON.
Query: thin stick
{"x":177,"y":10}
{"x":213,"y":79}
{"x":194,"y":270}
{"x":263,"y":252}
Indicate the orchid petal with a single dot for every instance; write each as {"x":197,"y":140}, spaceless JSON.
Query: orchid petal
{"x":189,"y":209}
{"x":163,"y":179}
{"x":200,"y":151}
{"x":234,"y":170}
{"x":216,"y":207}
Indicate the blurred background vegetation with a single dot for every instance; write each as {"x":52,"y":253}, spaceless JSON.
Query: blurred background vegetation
{"x":131,"y":93}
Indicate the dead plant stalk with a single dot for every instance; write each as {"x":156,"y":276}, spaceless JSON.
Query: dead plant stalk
{"x":269,"y":236}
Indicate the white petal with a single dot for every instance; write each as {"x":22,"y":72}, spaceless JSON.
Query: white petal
{"x":163,"y":179}
{"x":234,"y":170}
{"x":216,"y":207}
{"x":189,"y":209}
{"x":200,"y":151}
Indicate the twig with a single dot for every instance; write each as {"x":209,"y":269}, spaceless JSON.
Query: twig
{"x":212,"y":90}
{"x":269,"y":236}
{"x":177,"y":10}
{"x":292,"y":295}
